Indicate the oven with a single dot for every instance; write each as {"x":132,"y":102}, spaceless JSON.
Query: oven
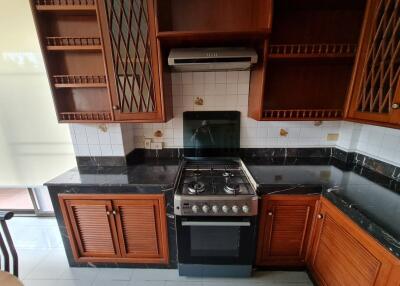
{"x":216,"y":246}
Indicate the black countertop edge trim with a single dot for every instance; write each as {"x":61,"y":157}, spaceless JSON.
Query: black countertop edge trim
{"x":99,"y":161}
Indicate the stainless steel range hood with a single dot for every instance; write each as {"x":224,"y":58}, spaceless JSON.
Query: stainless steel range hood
{"x":205,"y":59}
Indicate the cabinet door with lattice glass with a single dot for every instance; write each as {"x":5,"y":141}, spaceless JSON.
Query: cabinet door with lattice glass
{"x":375,"y":90}
{"x":130,"y":49}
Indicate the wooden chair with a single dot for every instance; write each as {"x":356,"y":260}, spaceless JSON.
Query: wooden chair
{"x":7,"y":249}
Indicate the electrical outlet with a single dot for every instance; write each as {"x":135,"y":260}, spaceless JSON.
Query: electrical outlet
{"x":332,"y":137}
{"x":156,"y":145}
{"x":147,"y":143}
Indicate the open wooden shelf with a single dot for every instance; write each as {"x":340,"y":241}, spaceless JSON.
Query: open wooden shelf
{"x":213,"y":15}
{"x":85,"y":116}
{"x":73,"y":44}
{"x":309,"y":51}
{"x":309,"y":60}
{"x":79,"y":81}
{"x":66,"y":5}
{"x":303,"y":114}
{"x":200,"y":37}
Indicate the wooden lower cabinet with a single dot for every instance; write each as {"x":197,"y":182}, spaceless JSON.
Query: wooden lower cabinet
{"x":343,"y":254}
{"x":284,"y":229}
{"x":116,"y":228}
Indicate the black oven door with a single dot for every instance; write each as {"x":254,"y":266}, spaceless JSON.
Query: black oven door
{"x":216,"y":240}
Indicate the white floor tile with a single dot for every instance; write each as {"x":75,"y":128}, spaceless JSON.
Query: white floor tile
{"x":51,"y":267}
{"x":28,"y":259}
{"x":77,"y":273}
{"x":183,"y":283}
{"x":237,"y":283}
{"x":55,"y":283}
{"x":42,"y":262}
{"x":285,"y":276}
{"x":155,"y":274}
{"x":107,"y":274}
{"x":147,"y":283}
{"x":110,"y":283}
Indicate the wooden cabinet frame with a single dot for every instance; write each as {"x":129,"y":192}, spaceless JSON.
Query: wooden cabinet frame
{"x":160,"y":114}
{"x":78,"y":248}
{"x":274,"y":238}
{"x":391,"y":118}
{"x":112,"y":205}
{"x":377,"y":259}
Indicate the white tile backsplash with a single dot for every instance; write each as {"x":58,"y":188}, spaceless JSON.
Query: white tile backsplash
{"x":378,"y":142}
{"x":100,"y":139}
{"x":229,"y":91}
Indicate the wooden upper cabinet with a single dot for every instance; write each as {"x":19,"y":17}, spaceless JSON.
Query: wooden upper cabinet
{"x":132,"y":60}
{"x":70,"y":40}
{"x":116,"y":228}
{"x":343,"y":254}
{"x":140,"y":229}
{"x":92,"y":229}
{"x":307,"y":61}
{"x":375,"y":91}
{"x":284,"y":230}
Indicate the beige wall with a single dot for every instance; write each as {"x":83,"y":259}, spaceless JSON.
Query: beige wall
{"x":33,"y":146}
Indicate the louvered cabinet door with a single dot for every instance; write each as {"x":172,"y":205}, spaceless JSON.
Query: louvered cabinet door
{"x":91,"y":229}
{"x":375,"y":88}
{"x":129,"y":36}
{"x":285,"y":227}
{"x":342,"y":255}
{"x":142,"y":230}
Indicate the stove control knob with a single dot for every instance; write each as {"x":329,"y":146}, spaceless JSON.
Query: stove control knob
{"x":225,"y":209}
{"x":215,"y":209}
{"x":245,"y":209}
{"x":235,"y":209}
{"x":205,"y":208}
{"x":195,"y":209}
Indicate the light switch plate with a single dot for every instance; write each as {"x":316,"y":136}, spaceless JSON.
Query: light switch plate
{"x":147,"y":143}
{"x":156,"y":145}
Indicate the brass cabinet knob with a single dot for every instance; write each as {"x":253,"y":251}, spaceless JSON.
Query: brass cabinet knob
{"x":320,"y":216}
{"x":108,"y":212}
{"x":395,"y":106}
{"x":114,"y":213}
{"x":270,"y":213}
{"x":115,"y":107}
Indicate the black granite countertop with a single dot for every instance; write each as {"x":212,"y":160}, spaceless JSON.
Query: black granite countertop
{"x":371,"y":200}
{"x":154,"y":173}
{"x":368,"y":198}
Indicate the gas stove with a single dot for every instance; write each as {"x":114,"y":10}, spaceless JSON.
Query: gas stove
{"x":215,"y":187}
{"x":215,"y":202}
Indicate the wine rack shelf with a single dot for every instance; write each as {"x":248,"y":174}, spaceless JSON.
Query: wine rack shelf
{"x":85,"y":116}
{"x":312,"y":51}
{"x":65,"y":5}
{"x":303,"y":114}
{"x":73,"y":44}
{"x":79,"y":81}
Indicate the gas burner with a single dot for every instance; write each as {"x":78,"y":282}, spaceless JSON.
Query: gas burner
{"x":227,"y":174}
{"x":197,"y":173}
{"x":196,"y":187}
{"x":231,"y":188}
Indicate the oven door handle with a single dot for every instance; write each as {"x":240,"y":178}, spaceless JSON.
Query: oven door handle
{"x":216,"y":223}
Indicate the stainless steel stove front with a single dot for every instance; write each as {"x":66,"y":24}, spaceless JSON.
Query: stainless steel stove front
{"x":211,"y":205}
